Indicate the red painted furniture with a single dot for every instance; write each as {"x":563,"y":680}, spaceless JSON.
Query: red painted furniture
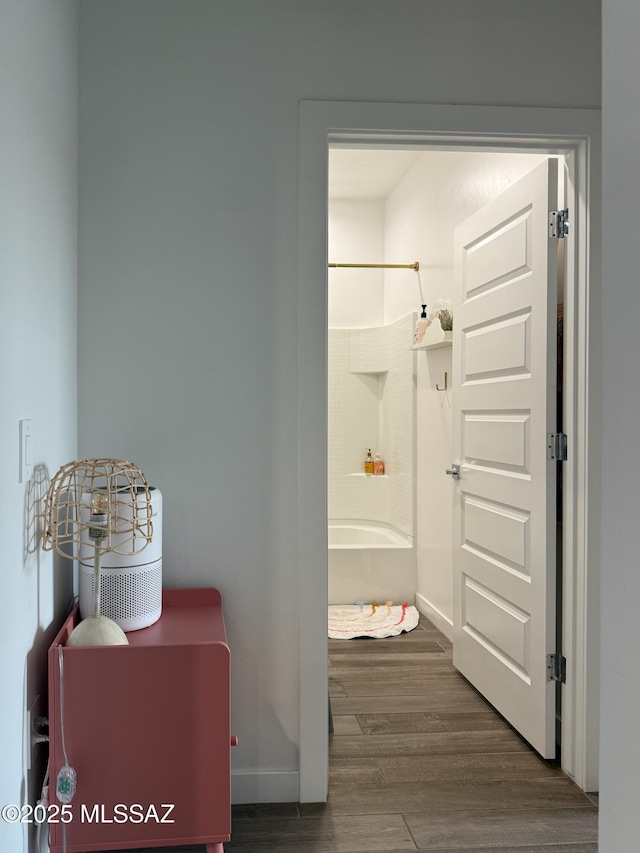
{"x":147,"y":726}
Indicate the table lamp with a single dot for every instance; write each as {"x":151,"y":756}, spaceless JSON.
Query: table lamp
{"x":93,"y":507}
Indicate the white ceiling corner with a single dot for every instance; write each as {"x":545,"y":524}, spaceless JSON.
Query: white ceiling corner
{"x":356,"y":173}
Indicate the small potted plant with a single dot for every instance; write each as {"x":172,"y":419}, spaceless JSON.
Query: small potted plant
{"x":445,"y":316}
{"x":440,"y":328}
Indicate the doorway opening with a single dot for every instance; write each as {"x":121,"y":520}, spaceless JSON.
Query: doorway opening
{"x":539,"y":133}
{"x":373,"y":213}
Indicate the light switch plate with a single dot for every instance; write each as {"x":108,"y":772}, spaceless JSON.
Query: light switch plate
{"x":26,"y":450}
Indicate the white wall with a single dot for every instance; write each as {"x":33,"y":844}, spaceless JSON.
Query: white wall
{"x":620,"y":693}
{"x":38,"y":295}
{"x":189,"y":193}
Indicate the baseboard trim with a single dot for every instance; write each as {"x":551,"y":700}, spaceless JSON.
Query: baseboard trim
{"x":270,"y":786}
{"x":442,"y":622}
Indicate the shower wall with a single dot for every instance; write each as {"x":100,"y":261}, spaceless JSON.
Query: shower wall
{"x":372,"y":405}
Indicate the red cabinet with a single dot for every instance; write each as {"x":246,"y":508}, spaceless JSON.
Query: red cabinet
{"x":147,"y":730}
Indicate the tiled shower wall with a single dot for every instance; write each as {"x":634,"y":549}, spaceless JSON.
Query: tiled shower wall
{"x":372,"y":404}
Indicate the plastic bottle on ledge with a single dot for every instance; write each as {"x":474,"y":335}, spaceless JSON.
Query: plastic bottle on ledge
{"x":421,"y":325}
{"x":378,"y":465}
{"x":368,"y":462}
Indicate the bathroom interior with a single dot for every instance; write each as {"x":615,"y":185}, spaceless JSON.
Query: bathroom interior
{"x":390,"y":535}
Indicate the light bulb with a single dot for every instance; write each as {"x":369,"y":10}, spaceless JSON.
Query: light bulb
{"x":99,"y":517}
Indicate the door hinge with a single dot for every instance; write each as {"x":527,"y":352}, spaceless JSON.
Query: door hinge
{"x":558,"y":223}
{"x":557,"y":668}
{"x":557,"y":447}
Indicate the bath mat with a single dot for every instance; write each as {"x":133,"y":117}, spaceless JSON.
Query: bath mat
{"x":348,"y":621}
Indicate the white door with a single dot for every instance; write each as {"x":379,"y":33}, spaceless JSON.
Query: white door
{"x":504,"y":405}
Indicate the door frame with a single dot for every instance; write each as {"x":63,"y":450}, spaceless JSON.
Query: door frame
{"x":576,"y":135}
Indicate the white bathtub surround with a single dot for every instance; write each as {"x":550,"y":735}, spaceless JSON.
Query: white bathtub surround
{"x":355,"y":534}
{"x":370,"y":562}
{"x":346,"y":622}
{"x":372,"y":404}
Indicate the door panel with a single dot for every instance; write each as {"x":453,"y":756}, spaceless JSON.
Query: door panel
{"x":504,"y":374}
{"x":498,"y":440}
{"x":500,"y":255}
{"x":497,"y":349}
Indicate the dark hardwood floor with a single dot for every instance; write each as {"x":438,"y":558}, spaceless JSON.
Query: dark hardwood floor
{"x":419,"y":761}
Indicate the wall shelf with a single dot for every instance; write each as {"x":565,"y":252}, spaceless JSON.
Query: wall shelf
{"x":435,"y":342}
{"x":434,"y":337}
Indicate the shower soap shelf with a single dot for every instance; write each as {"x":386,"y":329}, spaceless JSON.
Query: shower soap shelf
{"x":434,"y":337}
{"x":444,"y":343}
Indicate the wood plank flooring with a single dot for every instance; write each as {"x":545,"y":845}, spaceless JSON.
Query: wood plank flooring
{"x":419,"y":761}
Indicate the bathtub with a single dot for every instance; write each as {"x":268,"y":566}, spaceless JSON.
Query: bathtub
{"x":369,"y":561}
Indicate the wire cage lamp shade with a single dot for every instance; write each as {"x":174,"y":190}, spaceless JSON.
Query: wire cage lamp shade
{"x":94,"y":507}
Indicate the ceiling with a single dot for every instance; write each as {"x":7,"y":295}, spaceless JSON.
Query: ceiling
{"x":356,"y":173}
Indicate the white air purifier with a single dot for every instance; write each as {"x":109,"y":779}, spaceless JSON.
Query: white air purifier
{"x":130,"y":585}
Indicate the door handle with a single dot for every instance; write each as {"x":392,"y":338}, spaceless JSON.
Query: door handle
{"x":454,"y":471}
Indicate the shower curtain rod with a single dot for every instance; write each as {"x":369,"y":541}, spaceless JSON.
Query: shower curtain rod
{"x":414,"y":266}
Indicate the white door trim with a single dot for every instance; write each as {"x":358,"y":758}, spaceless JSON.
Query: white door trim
{"x":575,"y":133}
